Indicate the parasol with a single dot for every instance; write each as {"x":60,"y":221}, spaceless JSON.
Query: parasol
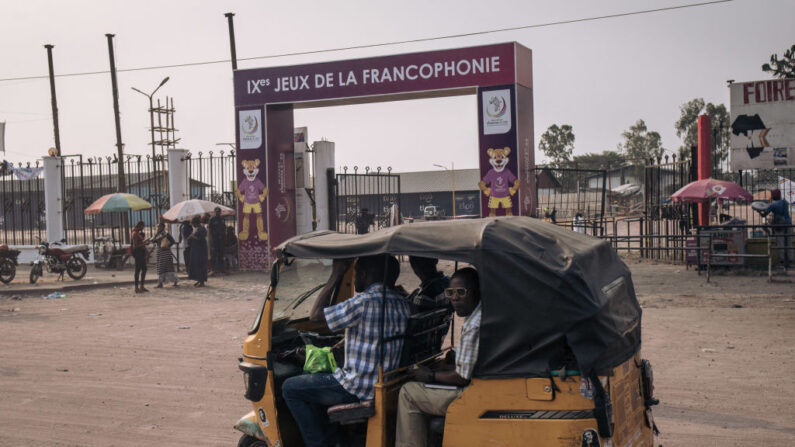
{"x":708,"y":189}
{"x":117,"y":202}
{"x":189,"y":209}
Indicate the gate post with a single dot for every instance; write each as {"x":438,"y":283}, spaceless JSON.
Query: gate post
{"x":177,"y":180}
{"x":704,"y":162}
{"x":324,"y":169}
{"x":53,"y":198}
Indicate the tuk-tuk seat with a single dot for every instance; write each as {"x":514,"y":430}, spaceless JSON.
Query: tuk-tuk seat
{"x":424,"y":335}
{"x":354,"y":413}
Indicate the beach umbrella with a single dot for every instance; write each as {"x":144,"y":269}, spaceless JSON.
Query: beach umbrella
{"x":117,"y":202}
{"x":189,"y":209}
{"x":708,"y":189}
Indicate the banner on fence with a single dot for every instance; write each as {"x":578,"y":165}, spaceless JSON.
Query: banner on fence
{"x":762,"y":124}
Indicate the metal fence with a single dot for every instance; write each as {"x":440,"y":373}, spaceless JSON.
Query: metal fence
{"x":572,"y":197}
{"x":364,"y":199}
{"x":21,"y":206}
{"x":84,"y":180}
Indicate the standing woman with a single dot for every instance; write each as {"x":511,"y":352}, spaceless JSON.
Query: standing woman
{"x":138,"y":248}
{"x":165,"y":260}
{"x":197,"y":242}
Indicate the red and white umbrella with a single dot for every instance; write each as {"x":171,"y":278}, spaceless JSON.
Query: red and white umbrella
{"x":708,"y":189}
{"x":189,"y":209}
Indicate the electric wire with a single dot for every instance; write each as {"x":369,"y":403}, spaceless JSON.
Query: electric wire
{"x":383,"y":44}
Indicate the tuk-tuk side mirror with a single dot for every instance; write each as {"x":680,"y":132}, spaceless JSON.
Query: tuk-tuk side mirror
{"x":275,"y":273}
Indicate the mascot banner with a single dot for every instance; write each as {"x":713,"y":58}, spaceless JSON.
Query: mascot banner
{"x":506,"y":153}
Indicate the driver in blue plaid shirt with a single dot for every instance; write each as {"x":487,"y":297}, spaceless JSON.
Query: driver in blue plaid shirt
{"x":309,"y":395}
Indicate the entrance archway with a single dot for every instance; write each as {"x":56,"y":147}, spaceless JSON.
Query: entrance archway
{"x":500,"y":75}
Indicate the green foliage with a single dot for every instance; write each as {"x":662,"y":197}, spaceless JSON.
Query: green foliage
{"x":605,"y":160}
{"x":781,"y":68}
{"x":687,"y":127}
{"x":557,"y":143}
{"x":640,"y":143}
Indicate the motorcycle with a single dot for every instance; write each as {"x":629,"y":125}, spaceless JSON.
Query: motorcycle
{"x":8,"y":264}
{"x":60,"y":258}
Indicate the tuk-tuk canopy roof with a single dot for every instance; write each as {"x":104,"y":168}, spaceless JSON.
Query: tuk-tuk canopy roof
{"x":547,"y":292}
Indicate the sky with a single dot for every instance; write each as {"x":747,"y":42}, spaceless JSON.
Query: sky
{"x":598,"y":76}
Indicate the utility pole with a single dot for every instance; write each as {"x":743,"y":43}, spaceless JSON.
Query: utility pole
{"x":152,"y":129}
{"x":57,"y":132}
{"x":119,"y":146}
{"x":452,"y":178}
{"x":231,"y":23}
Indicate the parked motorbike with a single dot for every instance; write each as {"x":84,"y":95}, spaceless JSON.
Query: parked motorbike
{"x":8,"y":264}
{"x":60,"y":258}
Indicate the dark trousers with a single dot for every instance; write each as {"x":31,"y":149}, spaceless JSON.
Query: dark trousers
{"x":186,"y":255}
{"x":308,"y":396}
{"x":140,"y":266}
{"x":217,"y":255}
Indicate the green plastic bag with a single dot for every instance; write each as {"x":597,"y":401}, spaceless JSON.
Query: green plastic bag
{"x":319,"y":360}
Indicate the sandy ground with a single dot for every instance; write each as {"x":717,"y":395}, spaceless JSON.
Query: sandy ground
{"x":110,"y":368}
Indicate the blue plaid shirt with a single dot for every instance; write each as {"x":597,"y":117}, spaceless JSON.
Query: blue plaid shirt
{"x":360,"y":316}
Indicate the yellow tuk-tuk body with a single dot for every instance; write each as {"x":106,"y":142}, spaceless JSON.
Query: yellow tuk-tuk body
{"x":558,"y":409}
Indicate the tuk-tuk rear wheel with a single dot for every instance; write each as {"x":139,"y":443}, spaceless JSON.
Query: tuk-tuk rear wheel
{"x":250,"y":441}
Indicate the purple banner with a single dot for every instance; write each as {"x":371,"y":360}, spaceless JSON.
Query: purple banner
{"x":403,"y":73}
{"x":499,"y":173}
{"x":251,"y":189}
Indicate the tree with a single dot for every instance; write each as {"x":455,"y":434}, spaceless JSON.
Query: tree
{"x":611,"y":159}
{"x":557,"y":143}
{"x":781,"y":68}
{"x":687,"y":127}
{"x":640,"y":143}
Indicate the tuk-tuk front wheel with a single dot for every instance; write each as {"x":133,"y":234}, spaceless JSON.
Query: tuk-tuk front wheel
{"x":250,"y":441}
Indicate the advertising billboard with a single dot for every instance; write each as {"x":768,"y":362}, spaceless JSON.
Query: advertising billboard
{"x":763,"y":124}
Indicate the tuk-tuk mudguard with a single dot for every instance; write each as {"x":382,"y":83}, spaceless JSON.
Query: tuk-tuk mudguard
{"x":248,"y":425}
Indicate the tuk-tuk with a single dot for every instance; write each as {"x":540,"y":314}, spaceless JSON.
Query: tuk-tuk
{"x":559,"y":361}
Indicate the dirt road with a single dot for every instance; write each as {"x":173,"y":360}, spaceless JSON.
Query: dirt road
{"x":111,"y":368}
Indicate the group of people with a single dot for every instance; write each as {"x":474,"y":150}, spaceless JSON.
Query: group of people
{"x":197,"y":254}
{"x":308,"y":396}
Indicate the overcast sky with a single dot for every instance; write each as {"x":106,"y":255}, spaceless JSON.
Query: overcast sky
{"x":599,"y":76}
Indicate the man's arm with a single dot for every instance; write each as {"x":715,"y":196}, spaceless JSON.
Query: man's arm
{"x":338,"y":270}
{"x":427,"y":375}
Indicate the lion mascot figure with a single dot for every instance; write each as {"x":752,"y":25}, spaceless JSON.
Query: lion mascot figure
{"x":251,"y":192}
{"x":502,"y":184}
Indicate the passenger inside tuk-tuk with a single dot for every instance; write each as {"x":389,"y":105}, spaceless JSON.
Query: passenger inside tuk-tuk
{"x":418,"y":401}
{"x":429,"y":295}
{"x":309,"y":395}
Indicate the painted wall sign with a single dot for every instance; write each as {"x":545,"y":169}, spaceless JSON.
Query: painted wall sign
{"x":763,"y":124}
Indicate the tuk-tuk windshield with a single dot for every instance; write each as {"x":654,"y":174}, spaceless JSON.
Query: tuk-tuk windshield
{"x":299,"y":284}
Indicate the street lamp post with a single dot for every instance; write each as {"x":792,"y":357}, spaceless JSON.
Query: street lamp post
{"x":452,"y":177}
{"x":152,"y":127}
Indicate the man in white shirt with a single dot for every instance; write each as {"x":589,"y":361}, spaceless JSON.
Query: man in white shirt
{"x":416,"y":401}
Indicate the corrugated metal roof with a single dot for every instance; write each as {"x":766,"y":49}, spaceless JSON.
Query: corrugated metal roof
{"x":438,"y":181}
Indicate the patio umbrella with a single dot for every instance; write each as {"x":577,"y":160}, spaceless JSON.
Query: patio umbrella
{"x":188,"y":209}
{"x":117,"y":202}
{"x":708,"y":189}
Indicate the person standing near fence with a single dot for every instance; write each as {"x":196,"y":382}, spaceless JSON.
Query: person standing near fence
{"x":198,"y":253}
{"x":185,"y":230}
{"x":782,"y":223}
{"x":138,"y":249}
{"x":165,"y":260}
{"x":217,"y":229}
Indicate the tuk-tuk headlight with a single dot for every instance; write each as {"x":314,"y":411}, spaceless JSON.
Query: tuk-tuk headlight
{"x":254,"y":378}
